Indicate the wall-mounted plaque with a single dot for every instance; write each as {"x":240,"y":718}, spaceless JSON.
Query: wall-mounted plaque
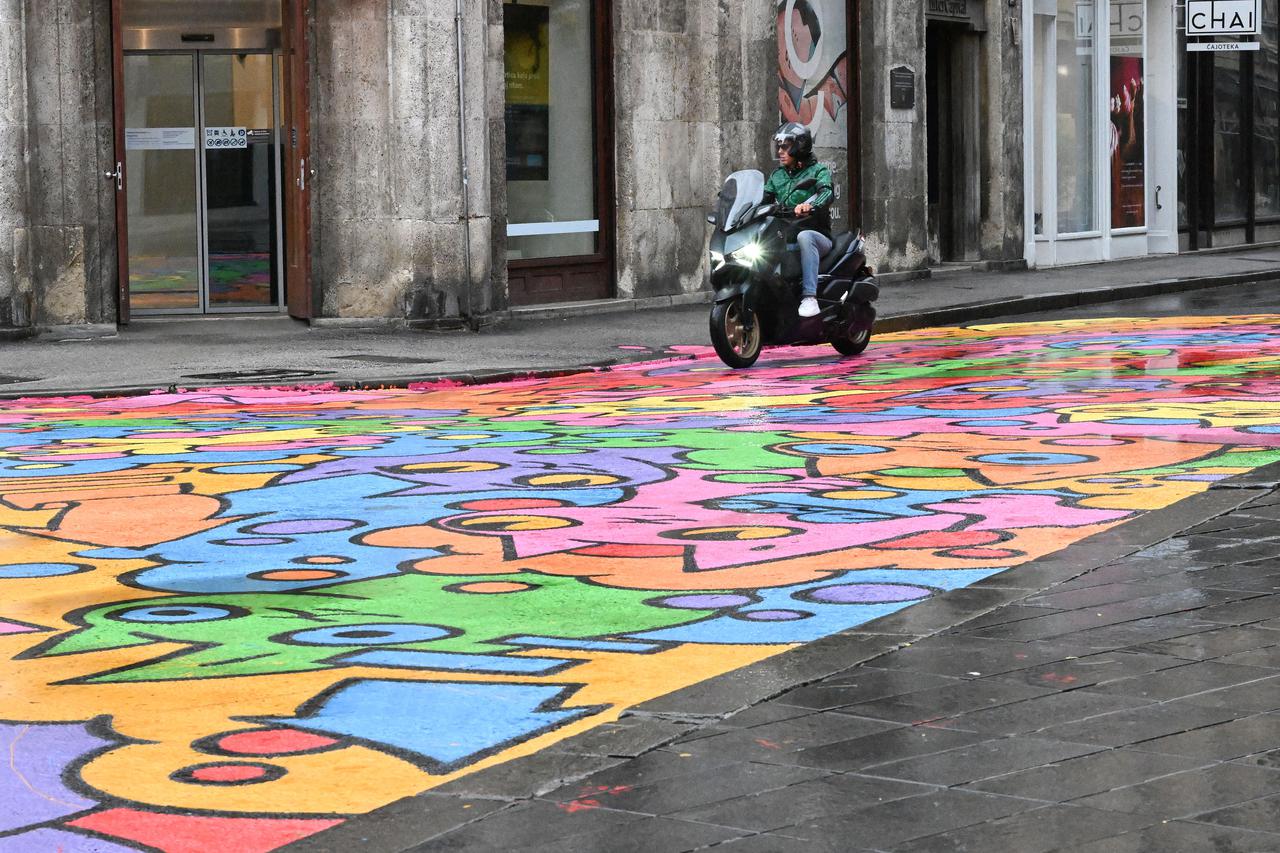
{"x":902,"y":88}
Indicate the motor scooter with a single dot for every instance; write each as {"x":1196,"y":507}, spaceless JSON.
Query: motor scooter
{"x":755,"y":273}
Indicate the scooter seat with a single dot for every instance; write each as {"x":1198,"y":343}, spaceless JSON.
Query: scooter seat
{"x":839,"y":247}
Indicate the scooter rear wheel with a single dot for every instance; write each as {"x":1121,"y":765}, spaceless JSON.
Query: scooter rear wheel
{"x":736,"y":346}
{"x":854,"y":344}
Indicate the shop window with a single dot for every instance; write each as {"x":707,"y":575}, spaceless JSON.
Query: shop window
{"x":1075,"y":116}
{"x":550,"y":121}
{"x":1228,"y":140}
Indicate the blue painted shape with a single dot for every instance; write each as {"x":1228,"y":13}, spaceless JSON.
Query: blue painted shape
{"x":441,"y":725}
{"x":456,"y":661}
{"x":584,"y":645}
{"x":38,"y":570}
{"x":824,"y":618}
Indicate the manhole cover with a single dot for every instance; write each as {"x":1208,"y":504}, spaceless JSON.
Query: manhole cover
{"x":261,"y":373}
{"x":386,"y":359}
{"x":14,"y":380}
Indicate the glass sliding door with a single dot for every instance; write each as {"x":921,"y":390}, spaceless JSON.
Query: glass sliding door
{"x":240,"y":167}
{"x":204,"y":213}
{"x":163,"y":198}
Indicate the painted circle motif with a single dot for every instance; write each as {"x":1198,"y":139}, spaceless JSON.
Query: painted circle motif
{"x":374,"y":634}
{"x":296,"y":575}
{"x":250,"y":541}
{"x":298,"y":526}
{"x":176,"y":614}
{"x":228,"y":773}
{"x":493,"y":587}
{"x":17,"y":571}
{"x":776,"y":615}
{"x":1034,"y":459}
{"x":838,"y":449}
{"x":706,"y":601}
{"x":266,"y":742}
{"x":865,"y":593}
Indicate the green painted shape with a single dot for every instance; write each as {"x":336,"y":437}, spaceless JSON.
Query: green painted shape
{"x":257,"y":642}
{"x":923,"y":472}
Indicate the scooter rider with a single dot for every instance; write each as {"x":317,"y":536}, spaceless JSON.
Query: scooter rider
{"x":794,"y":145}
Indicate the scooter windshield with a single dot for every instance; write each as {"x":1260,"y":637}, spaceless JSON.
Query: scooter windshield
{"x":742,"y":193}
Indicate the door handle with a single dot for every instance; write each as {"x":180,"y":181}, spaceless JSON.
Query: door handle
{"x":1159,"y":206}
{"x":118,"y":175}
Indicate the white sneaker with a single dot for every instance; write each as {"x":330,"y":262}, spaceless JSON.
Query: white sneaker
{"x":809,"y":307}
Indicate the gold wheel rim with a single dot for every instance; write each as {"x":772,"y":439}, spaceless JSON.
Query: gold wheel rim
{"x":739,"y":339}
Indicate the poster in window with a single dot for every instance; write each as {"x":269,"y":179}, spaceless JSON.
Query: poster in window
{"x":527,"y":70}
{"x":1128,"y":144}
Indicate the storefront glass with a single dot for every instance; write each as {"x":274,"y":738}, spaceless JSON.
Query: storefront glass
{"x":1126,"y":101}
{"x":1228,"y":140}
{"x":550,"y":119}
{"x":1075,"y":127}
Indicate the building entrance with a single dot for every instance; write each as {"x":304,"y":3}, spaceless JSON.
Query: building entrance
{"x":211,"y":142}
{"x":204,"y":195}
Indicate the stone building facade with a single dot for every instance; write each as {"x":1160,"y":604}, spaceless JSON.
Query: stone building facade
{"x":384,"y":161}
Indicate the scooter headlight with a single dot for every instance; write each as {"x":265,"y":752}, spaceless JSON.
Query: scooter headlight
{"x":748,"y":254}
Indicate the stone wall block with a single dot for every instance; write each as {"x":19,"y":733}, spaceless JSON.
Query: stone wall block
{"x":59,"y":274}
{"x":691,"y":250}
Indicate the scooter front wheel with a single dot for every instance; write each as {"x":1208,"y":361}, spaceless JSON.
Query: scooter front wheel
{"x":735,"y":344}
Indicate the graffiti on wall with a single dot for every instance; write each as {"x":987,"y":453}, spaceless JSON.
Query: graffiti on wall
{"x":813,"y":68}
{"x":221,"y":607}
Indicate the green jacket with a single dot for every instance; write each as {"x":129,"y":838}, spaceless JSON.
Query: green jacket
{"x":780,"y":185}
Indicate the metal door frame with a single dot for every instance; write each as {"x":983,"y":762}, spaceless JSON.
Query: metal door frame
{"x":202,"y":189}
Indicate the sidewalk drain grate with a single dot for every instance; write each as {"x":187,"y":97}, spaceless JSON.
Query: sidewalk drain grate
{"x":260,"y":373}
{"x":386,"y":359}
{"x":14,"y":380}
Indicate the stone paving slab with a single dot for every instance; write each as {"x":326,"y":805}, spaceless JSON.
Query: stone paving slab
{"x":1156,"y":731}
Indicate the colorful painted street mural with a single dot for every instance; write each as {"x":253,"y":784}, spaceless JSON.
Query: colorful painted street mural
{"x":232,"y":618}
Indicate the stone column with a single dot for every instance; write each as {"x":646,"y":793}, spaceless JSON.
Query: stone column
{"x":69,"y":119}
{"x":1003,"y":193}
{"x":893,"y":140}
{"x":388,"y":205}
{"x":15,"y":286}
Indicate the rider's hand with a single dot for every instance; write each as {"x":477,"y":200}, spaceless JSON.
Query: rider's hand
{"x":804,"y":209}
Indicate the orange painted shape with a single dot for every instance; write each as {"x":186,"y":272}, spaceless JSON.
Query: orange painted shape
{"x":137,"y":521}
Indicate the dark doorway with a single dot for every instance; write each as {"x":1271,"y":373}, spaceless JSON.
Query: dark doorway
{"x":1229,"y":143}
{"x":953,"y":125}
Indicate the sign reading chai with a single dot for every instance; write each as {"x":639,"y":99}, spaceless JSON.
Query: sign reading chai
{"x":1223,"y":17}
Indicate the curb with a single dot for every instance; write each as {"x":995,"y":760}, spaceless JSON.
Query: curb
{"x":968,"y":312}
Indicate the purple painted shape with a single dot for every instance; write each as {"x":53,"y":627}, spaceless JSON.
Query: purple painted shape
{"x":59,"y":840}
{"x":304,"y":525}
{"x":774,"y":615}
{"x":706,"y":602}
{"x":31,"y":787}
{"x":255,"y":540}
{"x":16,"y":628}
{"x":868,"y":593}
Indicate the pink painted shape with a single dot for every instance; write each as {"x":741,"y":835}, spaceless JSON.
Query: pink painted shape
{"x":16,"y":628}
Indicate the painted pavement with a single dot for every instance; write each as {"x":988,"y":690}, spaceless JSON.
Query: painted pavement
{"x":233,"y":618}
